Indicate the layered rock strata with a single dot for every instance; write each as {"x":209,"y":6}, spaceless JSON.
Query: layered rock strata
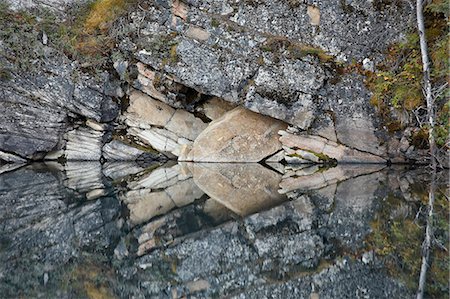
{"x":193,"y":63}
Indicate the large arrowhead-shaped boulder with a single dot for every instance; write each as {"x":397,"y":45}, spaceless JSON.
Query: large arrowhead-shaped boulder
{"x":239,"y":135}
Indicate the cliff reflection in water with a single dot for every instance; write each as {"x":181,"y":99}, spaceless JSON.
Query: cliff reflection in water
{"x":87,"y":230}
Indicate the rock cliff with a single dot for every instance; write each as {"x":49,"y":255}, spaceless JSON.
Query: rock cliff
{"x":176,"y":70}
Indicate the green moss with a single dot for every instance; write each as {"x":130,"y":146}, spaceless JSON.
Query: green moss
{"x":298,"y":51}
{"x":260,"y":60}
{"x":83,"y":36}
{"x":278,"y":45}
{"x":173,"y":54}
{"x":442,"y":129}
{"x":215,"y":22}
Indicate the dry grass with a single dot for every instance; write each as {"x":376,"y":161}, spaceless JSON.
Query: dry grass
{"x":103,"y":13}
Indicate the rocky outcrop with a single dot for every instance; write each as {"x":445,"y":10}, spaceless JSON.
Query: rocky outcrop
{"x":118,"y":151}
{"x":194,"y":63}
{"x":56,"y":6}
{"x":289,"y":75}
{"x":40,"y":105}
{"x":83,"y":144}
{"x":162,"y":127}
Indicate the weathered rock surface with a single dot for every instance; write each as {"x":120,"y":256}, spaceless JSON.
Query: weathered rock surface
{"x":145,"y":111}
{"x":118,"y":151}
{"x":7,"y":157}
{"x":311,"y":146}
{"x":83,"y":144}
{"x":276,"y":65}
{"x":356,"y":123}
{"x":215,"y":107}
{"x":185,"y":125}
{"x":238,"y":136}
{"x":37,"y":106}
{"x":56,"y":6}
{"x":191,"y":54}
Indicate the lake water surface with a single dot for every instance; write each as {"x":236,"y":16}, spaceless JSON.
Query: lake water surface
{"x":124,"y":230}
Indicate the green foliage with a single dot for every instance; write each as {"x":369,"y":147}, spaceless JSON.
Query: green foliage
{"x":442,"y":129}
{"x":18,"y":35}
{"x":399,"y":87}
{"x":215,"y":22}
{"x":439,"y":6}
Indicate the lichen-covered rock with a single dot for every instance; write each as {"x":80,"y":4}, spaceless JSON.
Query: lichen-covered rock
{"x":238,"y":136}
{"x":38,"y":106}
{"x":56,"y":6}
{"x":355,"y":121}
{"x":28,"y":129}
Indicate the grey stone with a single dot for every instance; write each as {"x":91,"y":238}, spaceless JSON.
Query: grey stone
{"x":83,"y":144}
{"x":118,"y":151}
{"x":316,"y":146}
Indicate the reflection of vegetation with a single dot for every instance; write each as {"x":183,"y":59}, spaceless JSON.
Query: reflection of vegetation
{"x":397,"y":237}
{"x":396,"y":85}
{"x":89,"y":280}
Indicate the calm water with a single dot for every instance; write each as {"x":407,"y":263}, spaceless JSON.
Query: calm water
{"x":123,"y":230}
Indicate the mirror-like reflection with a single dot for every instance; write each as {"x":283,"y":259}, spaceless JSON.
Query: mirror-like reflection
{"x":124,"y":230}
